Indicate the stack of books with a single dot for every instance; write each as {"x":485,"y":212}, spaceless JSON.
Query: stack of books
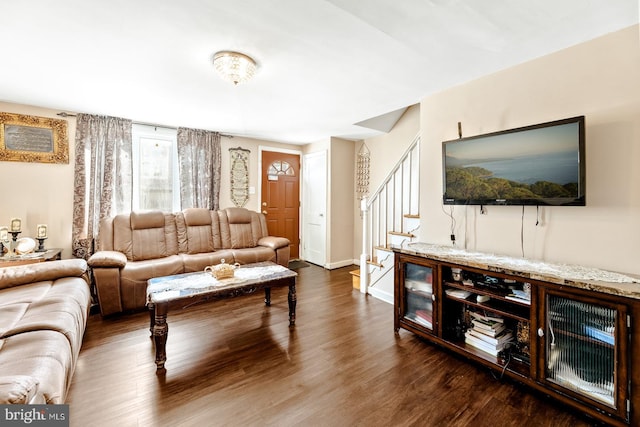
{"x":424,"y":318}
{"x":488,"y":333}
{"x":520,"y":296}
{"x":457,"y":293}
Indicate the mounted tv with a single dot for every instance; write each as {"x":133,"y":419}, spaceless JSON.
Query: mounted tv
{"x":542,"y":164}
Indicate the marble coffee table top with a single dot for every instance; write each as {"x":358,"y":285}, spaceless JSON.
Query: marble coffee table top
{"x":180,"y":285}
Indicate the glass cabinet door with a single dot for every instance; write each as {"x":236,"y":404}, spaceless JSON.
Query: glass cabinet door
{"x":582,"y":352}
{"x":418,"y":291}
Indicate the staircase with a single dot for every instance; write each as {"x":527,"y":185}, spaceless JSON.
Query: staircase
{"x":389,"y":218}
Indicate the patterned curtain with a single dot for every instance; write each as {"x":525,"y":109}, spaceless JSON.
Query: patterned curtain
{"x":199,"y":162}
{"x":103,"y":177}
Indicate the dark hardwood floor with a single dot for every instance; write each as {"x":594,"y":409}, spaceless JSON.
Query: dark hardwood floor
{"x":237,"y":363}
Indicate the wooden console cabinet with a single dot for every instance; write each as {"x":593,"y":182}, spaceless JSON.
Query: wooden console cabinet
{"x":573,"y":338}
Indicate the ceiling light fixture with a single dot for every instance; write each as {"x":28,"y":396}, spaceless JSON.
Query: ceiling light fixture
{"x":234,"y":66}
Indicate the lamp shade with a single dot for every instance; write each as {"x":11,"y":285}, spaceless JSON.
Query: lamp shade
{"x":234,"y":66}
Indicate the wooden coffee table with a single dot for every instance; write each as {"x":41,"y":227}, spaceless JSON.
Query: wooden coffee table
{"x":185,"y":290}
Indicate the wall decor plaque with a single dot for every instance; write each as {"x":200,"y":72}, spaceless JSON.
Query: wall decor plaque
{"x":26,"y":138}
{"x":239,"y":176}
{"x":363,"y":166}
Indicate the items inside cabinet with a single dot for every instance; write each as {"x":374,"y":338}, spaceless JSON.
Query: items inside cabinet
{"x":581,"y":348}
{"x":488,"y":316}
{"x":418,"y":283}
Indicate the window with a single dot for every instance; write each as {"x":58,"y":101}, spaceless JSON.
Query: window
{"x":155,"y":169}
{"x":279,"y":168}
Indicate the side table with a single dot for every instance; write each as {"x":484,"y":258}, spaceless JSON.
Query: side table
{"x":50,"y":255}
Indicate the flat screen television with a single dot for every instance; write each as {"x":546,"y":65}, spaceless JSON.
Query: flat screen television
{"x":543,"y":164}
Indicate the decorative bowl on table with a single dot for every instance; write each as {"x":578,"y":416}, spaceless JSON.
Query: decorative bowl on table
{"x":222,"y":270}
{"x":25,"y":245}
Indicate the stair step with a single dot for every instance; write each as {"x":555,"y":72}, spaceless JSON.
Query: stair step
{"x":412,"y":216}
{"x":375,"y":264}
{"x":355,"y":279}
{"x":383,"y":248}
{"x":397,"y":233}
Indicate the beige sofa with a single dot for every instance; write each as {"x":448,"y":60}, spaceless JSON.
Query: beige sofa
{"x":135,"y":247}
{"x":44,"y":309}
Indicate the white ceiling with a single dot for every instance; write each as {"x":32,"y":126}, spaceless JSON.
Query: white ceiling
{"x":324,"y":65}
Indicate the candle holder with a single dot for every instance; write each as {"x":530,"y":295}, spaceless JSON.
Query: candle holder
{"x":41,"y":244}
{"x":12,"y":243}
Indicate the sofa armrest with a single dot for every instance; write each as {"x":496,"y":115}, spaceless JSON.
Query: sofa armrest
{"x":18,"y":389}
{"x":107,"y":259}
{"x":41,"y":271}
{"x":273,"y":242}
{"x":106,"y":266}
{"x":280,"y":246}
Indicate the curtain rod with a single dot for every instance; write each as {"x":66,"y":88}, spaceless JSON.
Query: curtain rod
{"x":65,"y":115}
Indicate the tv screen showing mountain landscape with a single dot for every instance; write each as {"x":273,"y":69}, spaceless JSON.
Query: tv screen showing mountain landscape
{"x":528,"y":166}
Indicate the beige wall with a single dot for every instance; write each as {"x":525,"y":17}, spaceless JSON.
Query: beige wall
{"x":341,"y":199}
{"x":386,"y":151}
{"x":43,"y":193}
{"x":599,"y":79}
{"x":39,"y":193}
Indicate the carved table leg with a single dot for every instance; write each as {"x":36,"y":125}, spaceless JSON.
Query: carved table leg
{"x":160,"y":332}
{"x":292,"y":304}
{"x":152,"y":317}
{"x":267,"y":296}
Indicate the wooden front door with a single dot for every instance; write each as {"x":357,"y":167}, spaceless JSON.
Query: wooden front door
{"x":281,"y":196}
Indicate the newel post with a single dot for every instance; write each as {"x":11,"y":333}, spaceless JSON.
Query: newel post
{"x":364,"y":271}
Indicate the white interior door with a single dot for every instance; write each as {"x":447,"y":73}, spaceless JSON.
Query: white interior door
{"x":314,"y":208}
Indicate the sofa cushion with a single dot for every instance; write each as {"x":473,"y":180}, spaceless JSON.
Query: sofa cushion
{"x":145,"y":220}
{"x":197,"y":262}
{"x":251,"y":255}
{"x":134,"y":276}
{"x":145,"y":235}
{"x":18,"y":389}
{"x":238,"y":215}
{"x":61,"y":305}
{"x":45,"y":355}
{"x":199,"y":231}
{"x":121,"y":237}
{"x":148,"y":237}
{"x":197,"y":216}
{"x":41,"y":271}
{"x":240,"y":228}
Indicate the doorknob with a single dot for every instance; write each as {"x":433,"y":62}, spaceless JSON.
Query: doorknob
{"x":264,"y":203}
{"x":265,"y":212}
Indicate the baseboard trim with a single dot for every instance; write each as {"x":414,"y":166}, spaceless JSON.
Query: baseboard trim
{"x":381,"y":295}
{"x":339,"y":264}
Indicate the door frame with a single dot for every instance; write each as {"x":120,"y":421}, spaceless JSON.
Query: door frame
{"x":299,"y":153}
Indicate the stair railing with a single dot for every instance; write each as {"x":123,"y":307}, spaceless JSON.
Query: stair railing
{"x":384,"y":211}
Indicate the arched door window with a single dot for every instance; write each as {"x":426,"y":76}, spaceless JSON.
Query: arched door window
{"x":280,"y":167}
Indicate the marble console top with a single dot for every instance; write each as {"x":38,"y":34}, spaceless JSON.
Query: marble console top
{"x":575,"y":276}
